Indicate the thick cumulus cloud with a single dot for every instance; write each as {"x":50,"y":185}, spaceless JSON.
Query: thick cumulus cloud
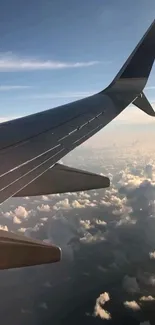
{"x":64,"y":204}
{"x":148,"y":298}
{"x":108,"y":244}
{"x":132,"y":305}
{"x":20,"y":212}
{"x":44,"y":208}
{"x":99,"y":310}
{"x":5,"y":228}
{"x":152,"y":255}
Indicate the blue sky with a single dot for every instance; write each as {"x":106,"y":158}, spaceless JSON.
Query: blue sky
{"x":55,"y":51}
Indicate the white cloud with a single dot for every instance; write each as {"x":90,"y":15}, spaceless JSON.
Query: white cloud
{"x":5,"y":228}
{"x":84,"y":195}
{"x":147,"y":298}
{"x":132,"y":305}
{"x":100,"y":222}
{"x":7,"y":118}
{"x":51,"y":196}
{"x":150,"y":88}
{"x":77,"y":205}
{"x":12,"y":87}
{"x":134,"y":116}
{"x":129,"y":180}
{"x":90,"y":239}
{"x":22,"y":230}
{"x":106,"y":204}
{"x":21,"y":212}
{"x":152,"y":255}
{"x":44,"y":208}
{"x":30,"y":230}
{"x":10,"y":62}
{"x":86,"y":224}
{"x":64,"y":204}
{"x":44,"y":219}
{"x":45,"y":198}
{"x":98,"y":309}
{"x":125,"y":221}
{"x":118,"y":205}
{"x":80,"y":94}
{"x":17,"y":220}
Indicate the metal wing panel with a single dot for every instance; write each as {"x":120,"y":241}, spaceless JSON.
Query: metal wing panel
{"x":19,"y":154}
{"x":17,"y":131}
{"x":13,"y":182}
{"x":20,"y":183}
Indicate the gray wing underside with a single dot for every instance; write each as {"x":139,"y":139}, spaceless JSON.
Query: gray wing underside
{"x":29,"y":146}
{"x":62,"y":179}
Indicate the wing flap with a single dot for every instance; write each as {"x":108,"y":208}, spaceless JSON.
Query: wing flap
{"x":62,"y":179}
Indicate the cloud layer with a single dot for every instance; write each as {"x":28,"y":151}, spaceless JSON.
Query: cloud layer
{"x":10,"y":62}
{"x":13,"y":87}
{"x":107,"y":240}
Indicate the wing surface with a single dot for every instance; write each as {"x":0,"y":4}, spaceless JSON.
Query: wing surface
{"x":19,"y":251}
{"x":25,"y":160}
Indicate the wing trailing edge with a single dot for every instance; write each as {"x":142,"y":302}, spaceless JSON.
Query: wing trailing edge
{"x":63,"y":179}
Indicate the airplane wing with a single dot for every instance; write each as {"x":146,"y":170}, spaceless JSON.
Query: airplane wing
{"x":19,"y":251}
{"x":29,"y":146}
{"x":62,"y":179}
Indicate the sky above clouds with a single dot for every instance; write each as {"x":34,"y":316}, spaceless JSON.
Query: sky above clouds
{"x":54,"y":52}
